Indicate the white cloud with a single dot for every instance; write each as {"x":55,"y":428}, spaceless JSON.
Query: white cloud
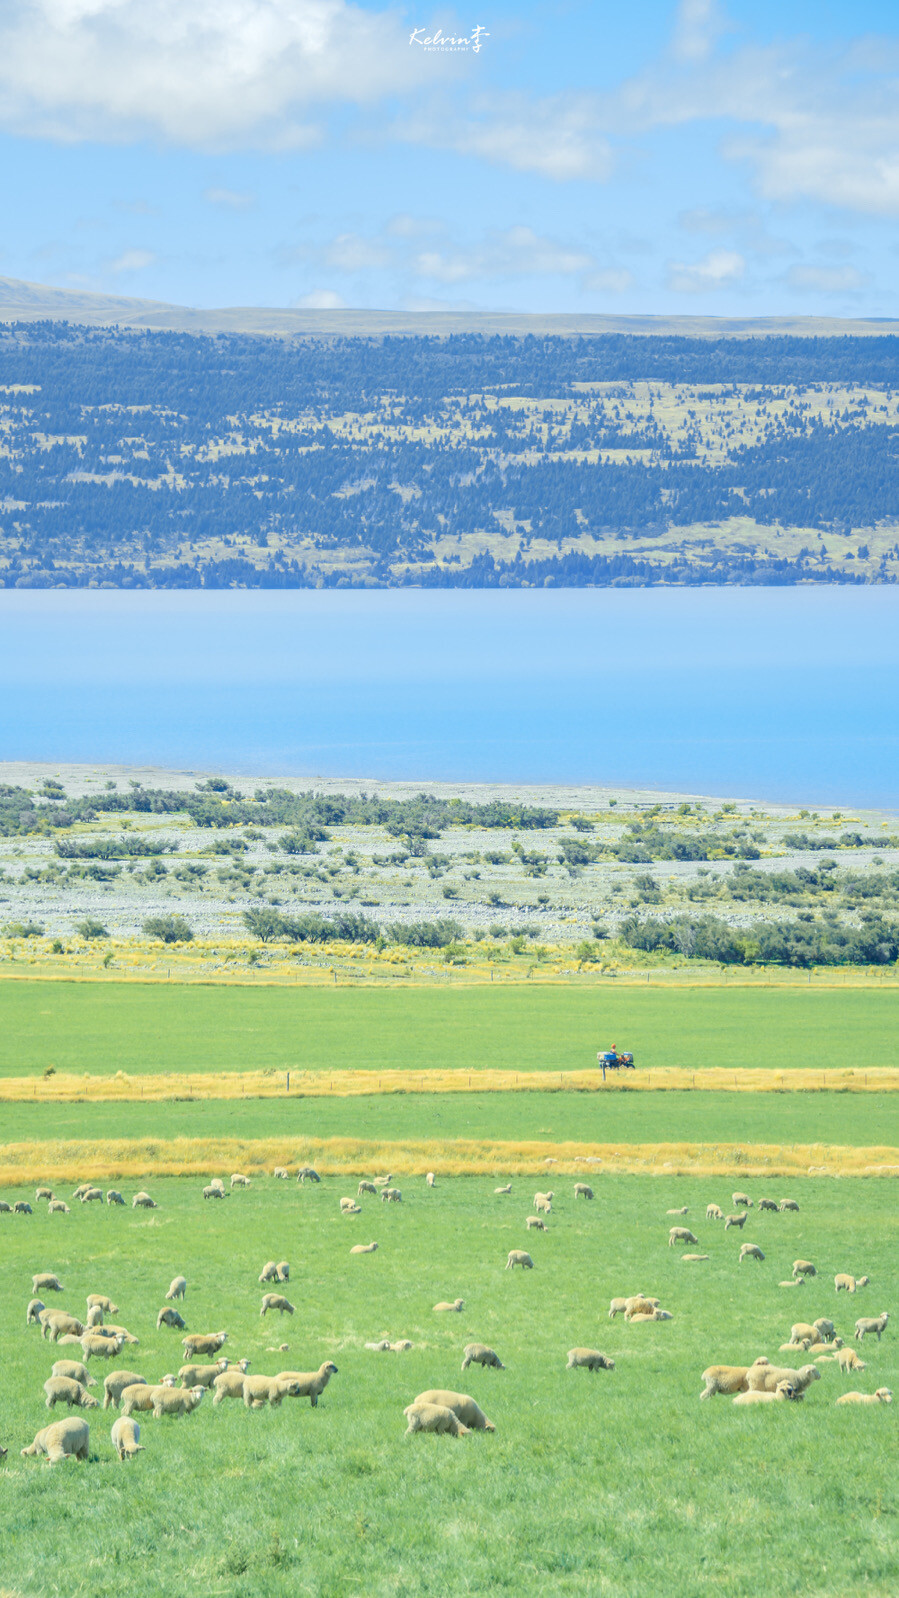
{"x":827,"y":279}
{"x":351,"y":253}
{"x":131,"y":261}
{"x":719,"y":269}
{"x":613,"y":282}
{"x":517,"y":251}
{"x":559,"y":137}
{"x":696,"y":29}
{"x":230,"y":199}
{"x":321,"y":300}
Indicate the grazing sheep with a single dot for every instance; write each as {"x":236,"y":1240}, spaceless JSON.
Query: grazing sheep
{"x":269,"y":1272}
{"x":729,"y":1379}
{"x":882,"y":1396}
{"x":506,"y":1189}
{"x":202,"y":1375}
{"x":480,"y":1354}
{"x":176,"y":1400}
{"x":125,"y":1436}
{"x":143,"y":1201}
{"x":543,"y":1204}
{"x":33,"y":1311}
{"x":457,"y":1305}
{"x":94,"y":1316}
{"x":308,"y":1174}
{"x":74,"y":1369}
{"x":21,"y":1208}
{"x":106,"y":1304}
{"x":848,"y":1360}
{"x":238,"y":1180}
{"x":349,"y":1206}
{"x":138,"y":1396}
{"x":276,"y":1301}
{"x":367,"y":1187}
{"x":170,"y":1317}
{"x":804,"y":1268}
{"x":57,"y":1207}
{"x":766,"y":1377}
{"x":681,"y":1234}
{"x":230,"y":1383}
{"x":94,"y":1195}
{"x":43,"y":1193}
{"x":113,"y":1196}
{"x":309,"y":1384}
{"x":81,"y":1188}
{"x":825,"y":1328}
{"x":56,"y":1324}
{"x":46,"y":1282}
{"x":93,"y":1346}
{"x":281,"y":1172}
{"x":272,"y":1390}
{"x":178,"y":1288}
{"x":363,"y":1248}
{"x":581,"y":1190}
{"x":783,"y":1390}
{"x":212,"y":1192}
{"x":120,"y":1331}
{"x":741,"y":1199}
{"x":433,"y":1418}
{"x":801,"y":1331}
{"x":768,"y":1204}
{"x":431,"y":1179}
{"x":788,"y":1204}
{"x":735,"y":1220}
{"x":714,"y":1212}
{"x":283,"y":1271}
{"x":63,"y":1390}
{"x":115,"y":1384}
{"x":463,"y":1407}
{"x":203,"y":1343}
{"x":391,"y":1195}
{"x":5,"y":1209}
{"x":517,"y":1256}
{"x":845,"y":1283}
{"x":383,"y":1181}
{"x":750,"y":1251}
{"x":589,"y":1359}
{"x":535,"y":1223}
{"x":59,"y":1441}
{"x":870,"y":1324}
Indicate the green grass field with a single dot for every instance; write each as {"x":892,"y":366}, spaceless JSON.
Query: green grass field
{"x":824,"y":1117}
{"x":608,"y":1484}
{"x":105,"y":1027}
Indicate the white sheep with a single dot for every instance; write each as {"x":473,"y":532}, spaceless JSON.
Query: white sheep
{"x":581,"y":1190}
{"x":750,"y":1251}
{"x":804,"y":1268}
{"x":654,"y":1315}
{"x":363,"y":1248}
{"x":94,"y":1195}
{"x":56,"y":1324}
{"x":239,"y":1180}
{"x":682,"y":1211}
{"x":518,"y":1256}
{"x":281,"y":1172}
{"x":113,"y":1196}
{"x":143,"y":1201}
{"x":788,"y":1204}
{"x":741,"y":1199}
{"x":506,"y":1189}
{"x":115,"y":1384}
{"x":213,"y":1192}
{"x":33,"y":1311}
{"x":139,"y":1396}
{"x":391,"y":1195}
{"x":94,"y":1316}
{"x":480,"y":1354}
{"x":125,"y":1436}
{"x":283,"y":1271}
{"x":203,"y":1343}
{"x":106,"y":1304}
{"x":204,"y":1375}
{"x":57,"y":1207}
{"x":431,"y":1179}
{"x":681,"y":1234}
{"x":64,"y":1390}
{"x":825,"y":1328}
{"x":735,"y":1220}
{"x":276,"y":1301}
{"x":178,"y":1288}
{"x":349,"y":1206}
{"x":367,"y":1187}
{"x":230,"y":1383}
{"x":729,"y":1379}
{"x":176,"y":1400}
{"x":766,"y":1377}
{"x":798,"y":1281}
{"x":64,"y":1439}
{"x":869,"y":1324}
{"x":307,"y":1173}
{"x":463,"y":1406}
{"x":74,"y":1369}
{"x":272,"y":1390}
{"x":543,"y":1203}
{"x":535,"y":1223}
{"x":95,"y":1347}
{"x":433,"y":1418}
{"x":171,"y":1317}
{"x":848,"y":1360}
{"x":269,"y":1272}
{"x":589,"y":1359}
{"x":457,"y":1305}
{"x":310,"y":1384}
{"x":768,"y":1204}
{"x":882,"y":1396}
{"x":714,"y":1212}
{"x":46,"y":1282}
{"x":783,"y":1390}
{"x":43,"y":1193}
{"x":848,"y":1284}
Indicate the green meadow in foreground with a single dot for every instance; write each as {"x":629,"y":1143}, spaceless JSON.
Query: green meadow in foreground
{"x":105,"y":1027}
{"x":611,"y":1483}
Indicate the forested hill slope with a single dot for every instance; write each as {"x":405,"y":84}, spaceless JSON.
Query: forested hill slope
{"x":174,"y":459}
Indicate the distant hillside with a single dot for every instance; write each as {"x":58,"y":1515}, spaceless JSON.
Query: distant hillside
{"x":149,"y":458}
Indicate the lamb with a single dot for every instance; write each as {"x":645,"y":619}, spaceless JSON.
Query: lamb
{"x":281,"y":1172}
{"x":63,"y":1439}
{"x":801,"y":1331}
{"x":581,"y":1190}
{"x":283,"y":1271}
{"x":798,"y":1281}
{"x":543,"y":1203}
{"x":695,"y":1256}
{"x":714,"y":1212}
{"x":535,"y":1223}
{"x":391,"y":1195}
{"x":480,"y":1354}
{"x":363,"y":1248}
{"x":81,"y":1188}
{"x":276,"y":1301}
{"x":367,"y":1187}
{"x":741,"y":1199}
{"x":402,"y":1347}
{"x":518,"y":1256}
{"x":176,"y":1400}
{"x":845,"y":1283}
{"x":768,"y":1204}
{"x":882,"y":1396}
{"x":830,"y":1347}
{"x":431,"y":1179}
{"x":57,"y":1207}
{"x":617,"y":1307}
{"x":457,"y":1305}
{"x":788,"y":1204}
{"x":506,"y":1189}
{"x":212,"y":1192}
{"x":106,"y":1304}
{"x":238,"y":1180}
{"x":269,"y":1272}
{"x":639,"y":1306}
{"x":750,"y":1251}
{"x":229,"y":1384}
{"x":825,"y":1328}
{"x":46,"y":1282}
{"x":272,"y":1390}
{"x":729,"y":1378}
{"x":308,"y":1174}
{"x":804,"y":1268}
{"x":170,"y":1317}
{"x":143,"y":1201}
{"x":588,"y":1359}
{"x":178,"y":1288}
{"x":783,"y":1390}
{"x":462,"y":1405}
{"x":125,"y":1436}
{"x":101,"y":1347}
{"x":203,"y":1375}
{"x":74,"y":1369}
{"x":115,"y":1384}
{"x":433,"y":1418}
{"x":63,"y":1390}
{"x":848,"y":1360}
{"x":735,"y":1220}
{"x":94,"y":1195}
{"x":94,"y":1316}
{"x":33,"y":1311}
{"x":765,"y":1378}
{"x":681,"y":1234}
{"x":113,"y":1196}
{"x":43,"y":1193}
{"x":349,"y":1206}
{"x":200,"y":1343}
{"x":869,"y":1324}
{"x":56,"y":1324}
{"x":309,"y":1384}
{"x":21,"y":1208}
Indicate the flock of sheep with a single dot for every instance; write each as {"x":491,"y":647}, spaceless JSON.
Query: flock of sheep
{"x":436,"y":1410}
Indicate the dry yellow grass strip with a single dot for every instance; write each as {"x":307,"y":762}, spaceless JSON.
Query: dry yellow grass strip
{"x":143,"y":1158}
{"x":75,"y":1088}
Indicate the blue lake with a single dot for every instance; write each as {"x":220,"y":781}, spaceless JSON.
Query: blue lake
{"x":783,"y":694}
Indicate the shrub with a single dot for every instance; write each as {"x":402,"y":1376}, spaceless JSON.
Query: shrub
{"x":91,"y":928}
{"x":168,"y":929}
{"x":426,"y":934}
{"x":23,"y":929}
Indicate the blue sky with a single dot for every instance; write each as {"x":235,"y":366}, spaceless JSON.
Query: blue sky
{"x":704,"y":157}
